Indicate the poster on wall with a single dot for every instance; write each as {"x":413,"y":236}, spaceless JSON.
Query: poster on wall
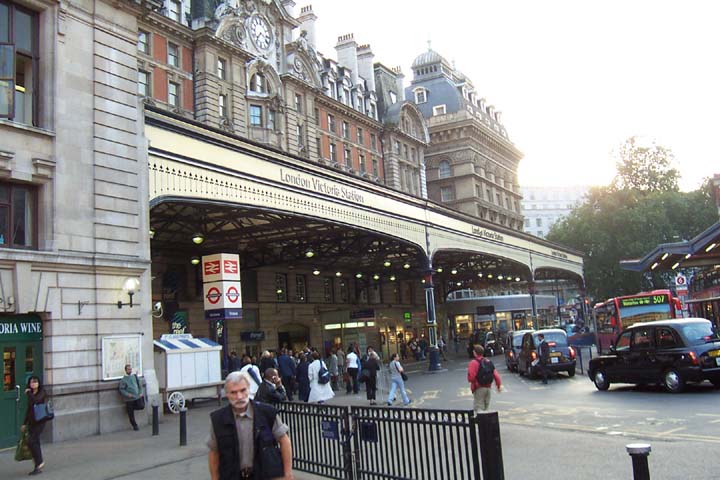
{"x":118,"y":351}
{"x":179,"y":322}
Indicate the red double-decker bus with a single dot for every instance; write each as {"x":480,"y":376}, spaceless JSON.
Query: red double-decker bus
{"x":705,"y":295}
{"x":613,"y":315}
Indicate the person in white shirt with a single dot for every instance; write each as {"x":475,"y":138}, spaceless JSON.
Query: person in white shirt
{"x":254,"y":373}
{"x":319,"y":392}
{"x":352,"y":361}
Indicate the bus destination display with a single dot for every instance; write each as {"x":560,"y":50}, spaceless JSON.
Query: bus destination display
{"x":647,"y":300}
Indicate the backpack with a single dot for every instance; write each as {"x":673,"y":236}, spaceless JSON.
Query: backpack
{"x":323,"y":374}
{"x":485,"y":371}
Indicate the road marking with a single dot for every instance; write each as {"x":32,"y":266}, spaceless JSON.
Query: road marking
{"x":430,"y":394}
{"x":672,"y":431}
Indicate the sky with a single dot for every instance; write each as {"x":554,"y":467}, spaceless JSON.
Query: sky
{"x":573,"y":78}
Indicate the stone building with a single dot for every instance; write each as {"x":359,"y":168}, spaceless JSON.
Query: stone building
{"x":543,"y":206}
{"x":139,"y":135}
{"x":471,"y":163}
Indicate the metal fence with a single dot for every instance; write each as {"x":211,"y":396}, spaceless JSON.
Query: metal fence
{"x":372,"y":443}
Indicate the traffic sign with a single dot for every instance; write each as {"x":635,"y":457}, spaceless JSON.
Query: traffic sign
{"x":221,"y":295}
{"x":680,"y":280}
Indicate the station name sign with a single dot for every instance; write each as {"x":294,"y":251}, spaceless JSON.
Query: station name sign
{"x":485,"y":233}
{"x":319,"y":185}
{"x":558,"y":254}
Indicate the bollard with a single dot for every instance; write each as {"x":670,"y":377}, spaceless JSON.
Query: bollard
{"x":491,"y":459}
{"x":639,"y":453}
{"x":183,"y":427}
{"x":156,"y":421}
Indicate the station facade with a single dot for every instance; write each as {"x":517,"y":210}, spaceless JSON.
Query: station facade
{"x":142,"y":136}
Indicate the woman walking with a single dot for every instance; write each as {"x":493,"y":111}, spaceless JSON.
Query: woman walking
{"x":372,"y":364}
{"x":36,"y":395}
{"x":396,"y":371}
{"x":319,"y":392}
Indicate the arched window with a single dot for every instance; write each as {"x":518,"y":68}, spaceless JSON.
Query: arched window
{"x":258,"y":83}
{"x":445,"y":170}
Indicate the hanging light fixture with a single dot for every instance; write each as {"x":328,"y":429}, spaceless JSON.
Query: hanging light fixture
{"x":195,"y":260}
{"x":439,"y":270}
{"x":454,"y":271}
{"x":358,"y":275}
{"x":406,"y":266}
{"x":338,"y":274}
{"x":198,"y":238}
{"x":490,"y":275}
{"x":316,"y":272}
{"x":376,"y":277}
{"x":309,"y":253}
{"x":386,"y":263}
{"x":392,"y":278}
{"x":480,"y":275}
{"x":517,"y":279}
{"x":500,"y":277}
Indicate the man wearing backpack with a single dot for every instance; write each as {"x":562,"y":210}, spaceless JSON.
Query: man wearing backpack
{"x":481,"y":374}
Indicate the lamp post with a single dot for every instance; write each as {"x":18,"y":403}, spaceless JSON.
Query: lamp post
{"x":434,"y":356}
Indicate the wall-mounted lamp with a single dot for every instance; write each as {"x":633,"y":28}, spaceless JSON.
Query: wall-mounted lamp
{"x":198,"y":238}
{"x":195,"y":260}
{"x":152,"y":233}
{"x":130,"y":286}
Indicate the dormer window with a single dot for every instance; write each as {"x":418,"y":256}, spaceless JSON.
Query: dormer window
{"x":439,"y":110}
{"x":420,"y":95}
{"x":393,"y":97}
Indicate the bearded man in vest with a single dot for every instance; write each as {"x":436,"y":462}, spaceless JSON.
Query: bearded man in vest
{"x":245,"y":435}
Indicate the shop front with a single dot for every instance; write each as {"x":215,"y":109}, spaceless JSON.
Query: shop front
{"x":22,"y":354}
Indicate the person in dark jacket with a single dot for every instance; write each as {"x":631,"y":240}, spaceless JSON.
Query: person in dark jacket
{"x":266,"y":361}
{"x":372,"y":365}
{"x":287,"y":369}
{"x":235,"y":364}
{"x":244,"y":436}
{"x":271,"y":390}
{"x":303,"y":380}
{"x":544,"y":351}
{"x":36,"y":395}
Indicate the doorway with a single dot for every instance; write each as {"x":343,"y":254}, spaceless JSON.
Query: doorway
{"x":293,"y":336}
{"x":21,"y":351}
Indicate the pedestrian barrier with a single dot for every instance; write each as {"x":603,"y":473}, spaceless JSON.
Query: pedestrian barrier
{"x":363,"y":443}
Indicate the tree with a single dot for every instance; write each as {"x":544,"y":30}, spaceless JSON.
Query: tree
{"x":616,"y":224}
{"x":645,"y":167}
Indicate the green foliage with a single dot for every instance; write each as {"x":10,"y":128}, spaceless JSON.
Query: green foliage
{"x":616,"y":224}
{"x":646,"y":168}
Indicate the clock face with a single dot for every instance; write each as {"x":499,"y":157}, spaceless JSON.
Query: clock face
{"x":260,"y":32}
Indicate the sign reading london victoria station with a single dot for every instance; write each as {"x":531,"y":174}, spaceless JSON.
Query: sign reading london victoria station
{"x":320,"y":185}
{"x":222,"y":296}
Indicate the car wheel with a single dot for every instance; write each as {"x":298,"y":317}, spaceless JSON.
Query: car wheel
{"x":600,"y":380}
{"x":520,"y":372}
{"x":672,"y":381}
{"x":571,"y":372}
{"x":529,"y":371}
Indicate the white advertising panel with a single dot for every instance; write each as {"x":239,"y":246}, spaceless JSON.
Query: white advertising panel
{"x":221,"y":295}
{"x":221,"y":266}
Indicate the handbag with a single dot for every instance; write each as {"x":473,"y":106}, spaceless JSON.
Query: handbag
{"x":323,"y":374}
{"x":139,"y":403}
{"x":22,"y":451}
{"x":404,"y":376}
{"x":43,"y":412}
{"x":364,"y":375}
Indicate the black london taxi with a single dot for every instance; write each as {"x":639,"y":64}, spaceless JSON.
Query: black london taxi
{"x":512,"y":348}
{"x":562,"y":355}
{"x":666,"y":352}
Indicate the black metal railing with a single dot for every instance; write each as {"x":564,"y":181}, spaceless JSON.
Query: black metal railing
{"x":367,"y":443}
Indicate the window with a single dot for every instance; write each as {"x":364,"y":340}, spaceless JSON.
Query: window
{"x":143,"y":84}
{"x":488,"y":195}
{"x":222,"y":69}
{"x":527,"y":223}
{"x":270,"y":120}
{"x":174,"y":94}
{"x":328,"y":296}
{"x":393,"y":97}
{"x":346,"y":157}
{"x":331,"y":123}
{"x":406,"y":154}
{"x":317,"y":116}
{"x":258,"y":83}
{"x":439,"y":110}
{"x":344,"y":291}
{"x":298,"y":103}
{"x":360,"y":136}
{"x":281,"y":287}
{"x":300,"y":289}
{"x":18,"y":64}
{"x":373,"y":141}
{"x":173,"y":55}
{"x":665,"y":338}
{"x":222,"y":106}
{"x":642,"y":339}
{"x":498,"y":200}
{"x":445,"y":170}
{"x":143,"y":41}
{"x":256,"y":115}
{"x":623,"y":342}
{"x":318,"y":145}
{"x":333,"y":152}
{"x":300,"y":136}
{"x":538,"y":222}
{"x":361,"y":159}
{"x":396,"y":147}
{"x":447,"y":194}
{"x":420,"y":96}
{"x":345,"y":130}
{"x":375,"y":167}
{"x":175,"y":10}
{"x":17,"y":216}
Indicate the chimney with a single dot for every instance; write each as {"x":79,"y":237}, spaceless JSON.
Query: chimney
{"x":307,"y":22}
{"x":289,"y":6}
{"x":490,"y":111}
{"x":365,"y":59}
{"x":498,"y":117}
{"x":346,"y":49}
{"x":399,"y":78}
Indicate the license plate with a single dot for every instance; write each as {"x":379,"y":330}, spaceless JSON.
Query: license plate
{"x":555,"y":360}
{"x":555,"y":354}
{"x":714,"y":353}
